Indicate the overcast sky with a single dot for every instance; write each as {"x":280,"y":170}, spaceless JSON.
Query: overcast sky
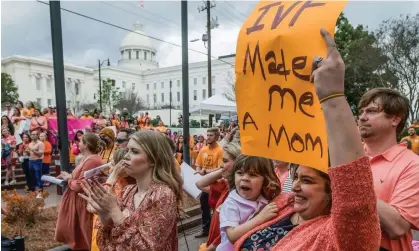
{"x":25,"y":27}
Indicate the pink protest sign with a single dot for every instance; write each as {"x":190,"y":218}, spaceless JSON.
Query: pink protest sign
{"x":73,"y":125}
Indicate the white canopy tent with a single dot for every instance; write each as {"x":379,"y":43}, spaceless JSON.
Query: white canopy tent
{"x":216,"y":104}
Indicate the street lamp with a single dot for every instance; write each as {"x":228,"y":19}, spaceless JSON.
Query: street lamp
{"x":100,"y":81}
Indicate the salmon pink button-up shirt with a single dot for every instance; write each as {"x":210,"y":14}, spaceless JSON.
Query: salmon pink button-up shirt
{"x":396,"y":182}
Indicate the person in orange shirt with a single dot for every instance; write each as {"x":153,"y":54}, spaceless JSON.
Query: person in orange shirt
{"x":413,"y":138}
{"x":147,"y":124}
{"x":86,"y":115}
{"x":382,"y":116}
{"x":27,"y":112}
{"x":46,"y":161}
{"x":161,"y":127}
{"x":209,"y":159}
{"x":141,"y":120}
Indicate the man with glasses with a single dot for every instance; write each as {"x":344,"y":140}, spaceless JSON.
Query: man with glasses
{"x":36,"y":155}
{"x":123,"y":137}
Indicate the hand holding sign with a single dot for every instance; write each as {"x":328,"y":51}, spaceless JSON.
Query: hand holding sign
{"x":329,"y":74}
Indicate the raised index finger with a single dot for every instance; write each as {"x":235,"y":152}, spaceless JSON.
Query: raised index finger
{"x":330,"y":43}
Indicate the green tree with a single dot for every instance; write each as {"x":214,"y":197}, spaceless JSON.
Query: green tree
{"x":9,"y":90}
{"x":366,"y":65}
{"x":398,"y":38}
{"x":110,"y":94}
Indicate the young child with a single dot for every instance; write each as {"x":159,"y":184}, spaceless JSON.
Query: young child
{"x":252,"y":182}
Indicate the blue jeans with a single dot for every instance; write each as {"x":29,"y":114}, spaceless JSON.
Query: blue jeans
{"x":28,"y":175}
{"x":35,"y":167}
{"x":45,"y":169}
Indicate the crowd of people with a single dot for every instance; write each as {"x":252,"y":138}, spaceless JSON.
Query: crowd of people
{"x":368,"y":198}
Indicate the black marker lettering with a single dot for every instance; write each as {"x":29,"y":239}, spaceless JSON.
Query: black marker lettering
{"x":278,"y":139}
{"x":282,"y":92}
{"x":248,"y":56}
{"x":314,"y":143}
{"x":306,"y":99}
{"x":245,"y":122}
{"x":298,"y":63}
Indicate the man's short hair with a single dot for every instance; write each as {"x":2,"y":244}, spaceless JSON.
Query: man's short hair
{"x":127,"y":130}
{"x":214,"y":130}
{"x":392,"y":102}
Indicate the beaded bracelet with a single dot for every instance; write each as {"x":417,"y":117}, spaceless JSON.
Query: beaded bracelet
{"x":331,"y":96}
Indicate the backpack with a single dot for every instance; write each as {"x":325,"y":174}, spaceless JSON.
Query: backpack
{"x":6,"y":150}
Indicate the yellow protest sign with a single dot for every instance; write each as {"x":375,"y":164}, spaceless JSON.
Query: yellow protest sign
{"x":279,"y":113}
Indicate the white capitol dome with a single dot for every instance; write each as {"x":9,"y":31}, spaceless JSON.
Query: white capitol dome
{"x":137,"y":50}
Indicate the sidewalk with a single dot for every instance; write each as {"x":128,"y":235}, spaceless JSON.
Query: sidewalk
{"x":191,"y":241}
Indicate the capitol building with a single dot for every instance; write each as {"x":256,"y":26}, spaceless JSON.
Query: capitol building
{"x":137,"y":71}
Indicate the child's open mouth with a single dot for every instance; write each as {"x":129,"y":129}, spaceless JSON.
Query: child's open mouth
{"x":245,"y":188}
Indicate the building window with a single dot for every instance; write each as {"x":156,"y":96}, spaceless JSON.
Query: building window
{"x":162,"y":97}
{"x":195,"y":81}
{"x":137,"y":54}
{"x":68,"y":103}
{"x":49,"y":84}
{"x":155,"y":98}
{"x":38,"y":84}
{"x":155,"y":86}
{"x":129,"y":54}
{"x":178,"y":96}
{"x":39,"y":101}
{"x":213,"y":92}
{"x":204,"y":94}
{"x":122,"y":54}
{"x":204,"y":80}
{"x":195,"y":93}
{"x":123,"y":84}
{"x":77,"y":105}
{"x":148,"y":98}
{"x":76,"y":88}
{"x":148,"y":87}
{"x":178,"y":83}
{"x":170,"y":97}
{"x":49,"y":102}
{"x":145,"y":55}
{"x":94,"y":95}
{"x":213,"y":80}
{"x":133,"y":86}
{"x":162,"y":85}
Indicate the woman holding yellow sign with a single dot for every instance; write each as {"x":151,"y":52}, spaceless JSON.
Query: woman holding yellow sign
{"x":332,"y":209}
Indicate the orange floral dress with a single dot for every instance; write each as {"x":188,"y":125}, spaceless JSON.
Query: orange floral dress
{"x":151,"y":226}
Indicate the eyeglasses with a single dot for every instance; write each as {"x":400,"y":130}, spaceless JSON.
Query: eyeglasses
{"x":120,"y":140}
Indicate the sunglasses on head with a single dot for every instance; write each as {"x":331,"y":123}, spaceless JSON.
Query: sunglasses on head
{"x":120,"y":140}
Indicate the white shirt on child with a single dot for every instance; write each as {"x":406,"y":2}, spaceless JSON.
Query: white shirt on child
{"x":235,"y":211}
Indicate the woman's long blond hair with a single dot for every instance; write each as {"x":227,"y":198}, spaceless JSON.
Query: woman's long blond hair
{"x":160,"y":154}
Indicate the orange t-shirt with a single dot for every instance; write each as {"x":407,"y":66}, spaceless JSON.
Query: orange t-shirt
{"x":414,"y":140}
{"x":47,"y":152}
{"x":396,"y":174}
{"x":210,"y":158}
{"x":86,"y":117}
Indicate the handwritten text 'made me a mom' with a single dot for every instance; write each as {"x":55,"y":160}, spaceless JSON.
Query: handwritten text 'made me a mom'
{"x":270,"y":62}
